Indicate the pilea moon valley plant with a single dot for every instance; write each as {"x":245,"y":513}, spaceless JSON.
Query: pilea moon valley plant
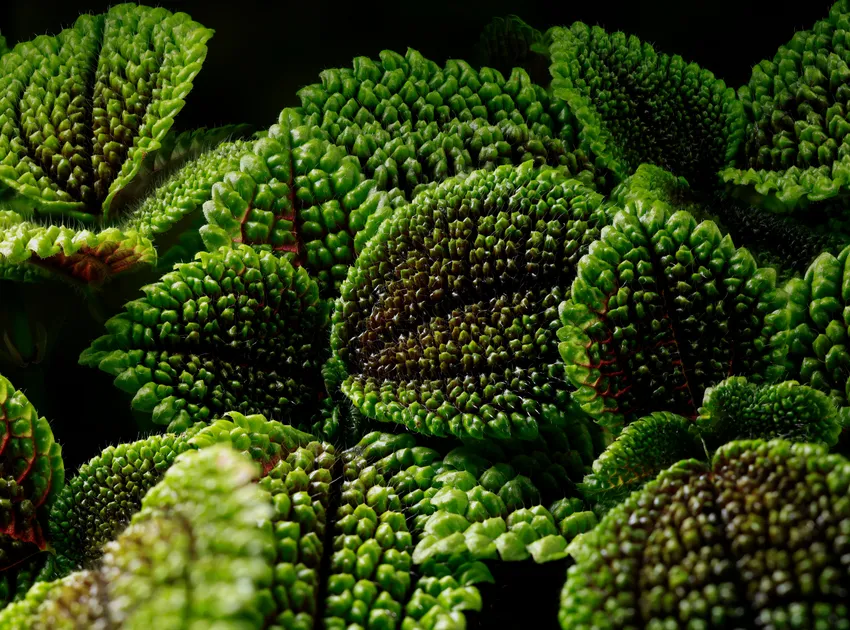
{"x":430,"y":348}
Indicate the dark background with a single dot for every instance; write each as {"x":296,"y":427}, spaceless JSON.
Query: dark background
{"x":263,"y":52}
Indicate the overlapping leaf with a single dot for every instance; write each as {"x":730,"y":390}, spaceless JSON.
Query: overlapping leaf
{"x":4,"y":47}
{"x":636,"y":105}
{"x":83,"y":109}
{"x":31,"y":476}
{"x":786,"y":243}
{"x":735,"y":409}
{"x":811,"y":341}
{"x":83,"y":114}
{"x":368,"y":138}
{"x":233,"y":330}
{"x":644,"y":448}
{"x":374,"y":502}
{"x":447,"y":322}
{"x":732,"y":544}
{"x":196,"y":554}
{"x":796,"y":105}
{"x":738,"y":410}
{"x":661,"y":309}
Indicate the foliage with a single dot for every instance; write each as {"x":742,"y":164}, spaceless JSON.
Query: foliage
{"x":795,"y":105}
{"x":788,"y":244}
{"x":447,"y":322}
{"x":434,"y":319}
{"x":237,"y":330}
{"x":32,"y":476}
{"x":736,"y":410}
{"x":388,"y":481}
{"x":662,"y":308}
{"x":689,"y":545}
{"x":82,"y":112}
{"x":641,"y":106}
{"x":366,"y":139}
{"x":201,"y":529}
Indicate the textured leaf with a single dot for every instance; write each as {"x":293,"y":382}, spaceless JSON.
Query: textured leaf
{"x":84,"y":115}
{"x":645,"y":448}
{"x":388,"y":486}
{"x":31,"y":475}
{"x":233,"y":330}
{"x":661,"y":309}
{"x":811,"y":343}
{"x":732,"y":410}
{"x":98,"y":502}
{"x":698,"y":547}
{"x":346,"y":525}
{"x":85,"y":255}
{"x":477,"y":509}
{"x":16,"y":581}
{"x":652,"y":183}
{"x":175,"y":150}
{"x":738,"y":410}
{"x":83,"y":109}
{"x":447,"y":322}
{"x":25,"y":274}
{"x":367,"y":139}
{"x":783,"y":242}
{"x":253,"y":204}
{"x":207,"y":510}
{"x":410,"y":122}
{"x":161,"y":229}
{"x":796,"y":107}
{"x":637,"y":105}
{"x":170,"y":215}
{"x":196,"y":555}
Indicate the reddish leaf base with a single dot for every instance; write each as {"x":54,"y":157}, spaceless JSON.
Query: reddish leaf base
{"x":613,"y":374}
{"x":93,"y":265}
{"x":270,"y":463}
{"x":291,"y":216}
{"x":28,"y":532}
{"x":16,"y":526}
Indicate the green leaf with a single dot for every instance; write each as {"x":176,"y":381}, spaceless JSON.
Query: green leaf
{"x":98,"y":502}
{"x":692,"y":533}
{"x":810,"y":345}
{"x":85,"y":255}
{"x":4,"y":47}
{"x":637,"y":105}
{"x":794,"y":156}
{"x":204,"y":528}
{"x":129,"y":70}
{"x":85,"y":114}
{"x":176,"y":149}
{"x":661,"y":309}
{"x":31,"y":476}
{"x":16,"y":581}
{"x":738,"y":410}
{"x":447,"y":321}
{"x":645,"y":448}
{"x":233,"y":330}
{"x":779,"y":241}
{"x":367,"y":139}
